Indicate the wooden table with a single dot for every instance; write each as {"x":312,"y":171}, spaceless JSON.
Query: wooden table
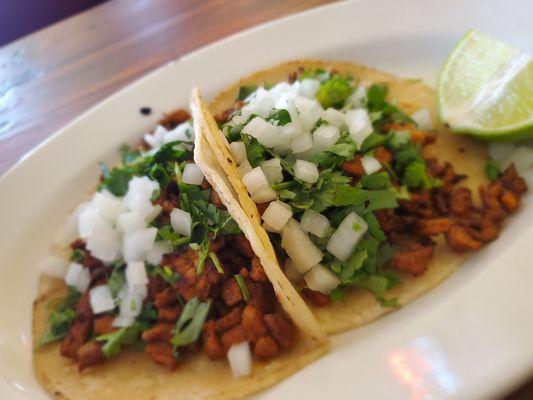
{"x":52,"y":76}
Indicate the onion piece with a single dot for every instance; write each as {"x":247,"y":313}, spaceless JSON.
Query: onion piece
{"x":108,"y":206}
{"x":192,"y":174}
{"x":272,"y":170}
{"x":301,"y":143}
{"x":104,"y":241}
{"x":239,"y":151}
{"x":131,"y":221}
{"x":122,"y":321}
{"x":255,"y":180}
{"x":245,"y":167}
{"x":324,"y":137}
{"x":140,"y":191}
{"x":68,"y":232}
{"x":54,"y":266}
{"x":359,"y":125}
{"x":136,"y":275}
{"x":137,"y":243}
{"x":334,"y":117}
{"x":277,"y":214}
{"x":265,"y":194}
{"x":358,"y":98}
{"x":130,"y":306}
{"x":78,"y":277}
{"x":350,"y":231}
{"x":181,"y":222}
{"x":423,"y":120}
{"x":308,"y":88}
{"x":299,"y":247}
{"x":306,"y":171}
{"x":315,"y":223}
{"x":321,"y":279}
{"x":501,"y":151}
{"x":157,"y":137}
{"x":240,"y":359}
{"x":155,"y":255}
{"x":310,"y":111}
{"x":184,"y":132}
{"x":100,"y":299}
{"x":370,"y":164}
{"x":267,"y":134}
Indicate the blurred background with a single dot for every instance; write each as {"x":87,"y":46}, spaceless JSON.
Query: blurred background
{"x":21,"y":17}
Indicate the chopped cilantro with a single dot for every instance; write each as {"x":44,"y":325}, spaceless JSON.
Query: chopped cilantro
{"x":492,"y":170}
{"x":280,"y":117}
{"x":115,"y":341}
{"x":242,"y":286}
{"x":336,"y":295}
{"x":334,"y":92}
{"x":189,"y":325}
{"x":379,"y":180}
{"x":116,"y":281}
{"x":213,"y":256}
{"x":61,"y":318}
{"x":166,"y":273}
{"x":245,"y":91}
{"x":77,"y":256}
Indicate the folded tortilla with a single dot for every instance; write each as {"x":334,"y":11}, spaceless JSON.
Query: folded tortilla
{"x":468,"y":157}
{"x":133,"y":375}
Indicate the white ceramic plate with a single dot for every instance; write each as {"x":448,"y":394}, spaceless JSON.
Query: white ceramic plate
{"x":472,"y":337}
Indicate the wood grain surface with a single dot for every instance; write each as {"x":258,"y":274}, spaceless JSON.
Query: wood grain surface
{"x":52,"y":76}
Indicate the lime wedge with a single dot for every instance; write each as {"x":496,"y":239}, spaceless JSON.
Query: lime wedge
{"x":485,"y":89}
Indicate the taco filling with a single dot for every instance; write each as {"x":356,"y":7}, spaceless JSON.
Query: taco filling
{"x":158,"y":264}
{"x":347,"y":189}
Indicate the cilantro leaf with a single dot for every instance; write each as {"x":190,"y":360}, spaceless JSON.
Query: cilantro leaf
{"x":280,"y":117}
{"x":115,"y":341}
{"x":245,"y":91}
{"x":492,"y":170}
{"x":61,"y":319}
{"x":116,"y":281}
{"x":334,"y":92}
{"x":189,"y":325}
{"x":242,"y":286}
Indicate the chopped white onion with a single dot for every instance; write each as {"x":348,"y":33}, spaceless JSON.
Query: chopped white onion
{"x":321,"y":279}
{"x":291,"y":272}
{"x":192,"y":174}
{"x":370,"y":164}
{"x":261,"y":102}
{"x":334,"y":117}
{"x":310,"y":111}
{"x":301,"y":143}
{"x":183,"y":132}
{"x":308,"y":87}
{"x":315,"y":223}
{"x":299,"y":247}
{"x":155,"y":254}
{"x":277,"y":214}
{"x":78,"y":277}
{"x":86,"y":221}
{"x":100,"y":299}
{"x":350,"y":231}
{"x":68,"y":232}
{"x":137,"y":243}
{"x":265,"y":194}
{"x":122,"y":321}
{"x":500,"y":151}
{"x":245,"y":167}
{"x":54,"y":266}
{"x":136,"y":275}
{"x":181,"y":222}
{"x":268,"y":228}
{"x":150,"y":213}
{"x":290,"y":131}
{"x":306,"y":171}
{"x":140,"y":190}
{"x":267,"y":134}
{"x":157,"y":137}
{"x":240,"y":359}
{"x":324,"y":137}
{"x":130,"y":306}
{"x":104,"y":241}
{"x":358,"y":97}
{"x":359,"y":125}
{"x":255,"y":180}
{"x":239,"y":151}
{"x":107,"y":205}
{"x":272,"y":170}
{"x":423,"y":119}
{"x":131,"y":221}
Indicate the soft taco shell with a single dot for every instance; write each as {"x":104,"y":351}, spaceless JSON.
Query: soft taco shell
{"x":132,"y":375}
{"x":468,"y":157}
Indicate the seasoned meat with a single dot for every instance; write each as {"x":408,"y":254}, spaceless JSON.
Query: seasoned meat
{"x":213,"y":347}
{"x":161,"y":331}
{"x":215,"y":199}
{"x":156,"y":285}
{"x":169,"y":314}
{"x":243,"y":245}
{"x":261,"y":296}
{"x":317,"y":298}
{"x":231,"y":292}
{"x":383,"y":155}
{"x":257,"y":273}
{"x":461,"y":202}
{"x":216,"y":244}
{"x":103,"y":325}
{"x":354,"y":167}
{"x":252,"y":321}
{"x":281,"y":328}
{"x":161,"y":353}
{"x":77,"y":336}
{"x":266,"y":348}
{"x":166,"y":298}
{"x":231,"y":259}
{"x":460,"y":239}
{"x":434,"y":226}
{"x":233,"y":336}
{"x":175,"y":118}
{"x":90,"y":354}
{"x":228,"y":321}
{"x":413,"y":260}
{"x":512,"y":181}
{"x":510,"y":201}
{"x":261,"y":207}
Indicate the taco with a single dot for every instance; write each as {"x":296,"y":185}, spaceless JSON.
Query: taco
{"x":160,"y":295}
{"x":351,"y":187}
